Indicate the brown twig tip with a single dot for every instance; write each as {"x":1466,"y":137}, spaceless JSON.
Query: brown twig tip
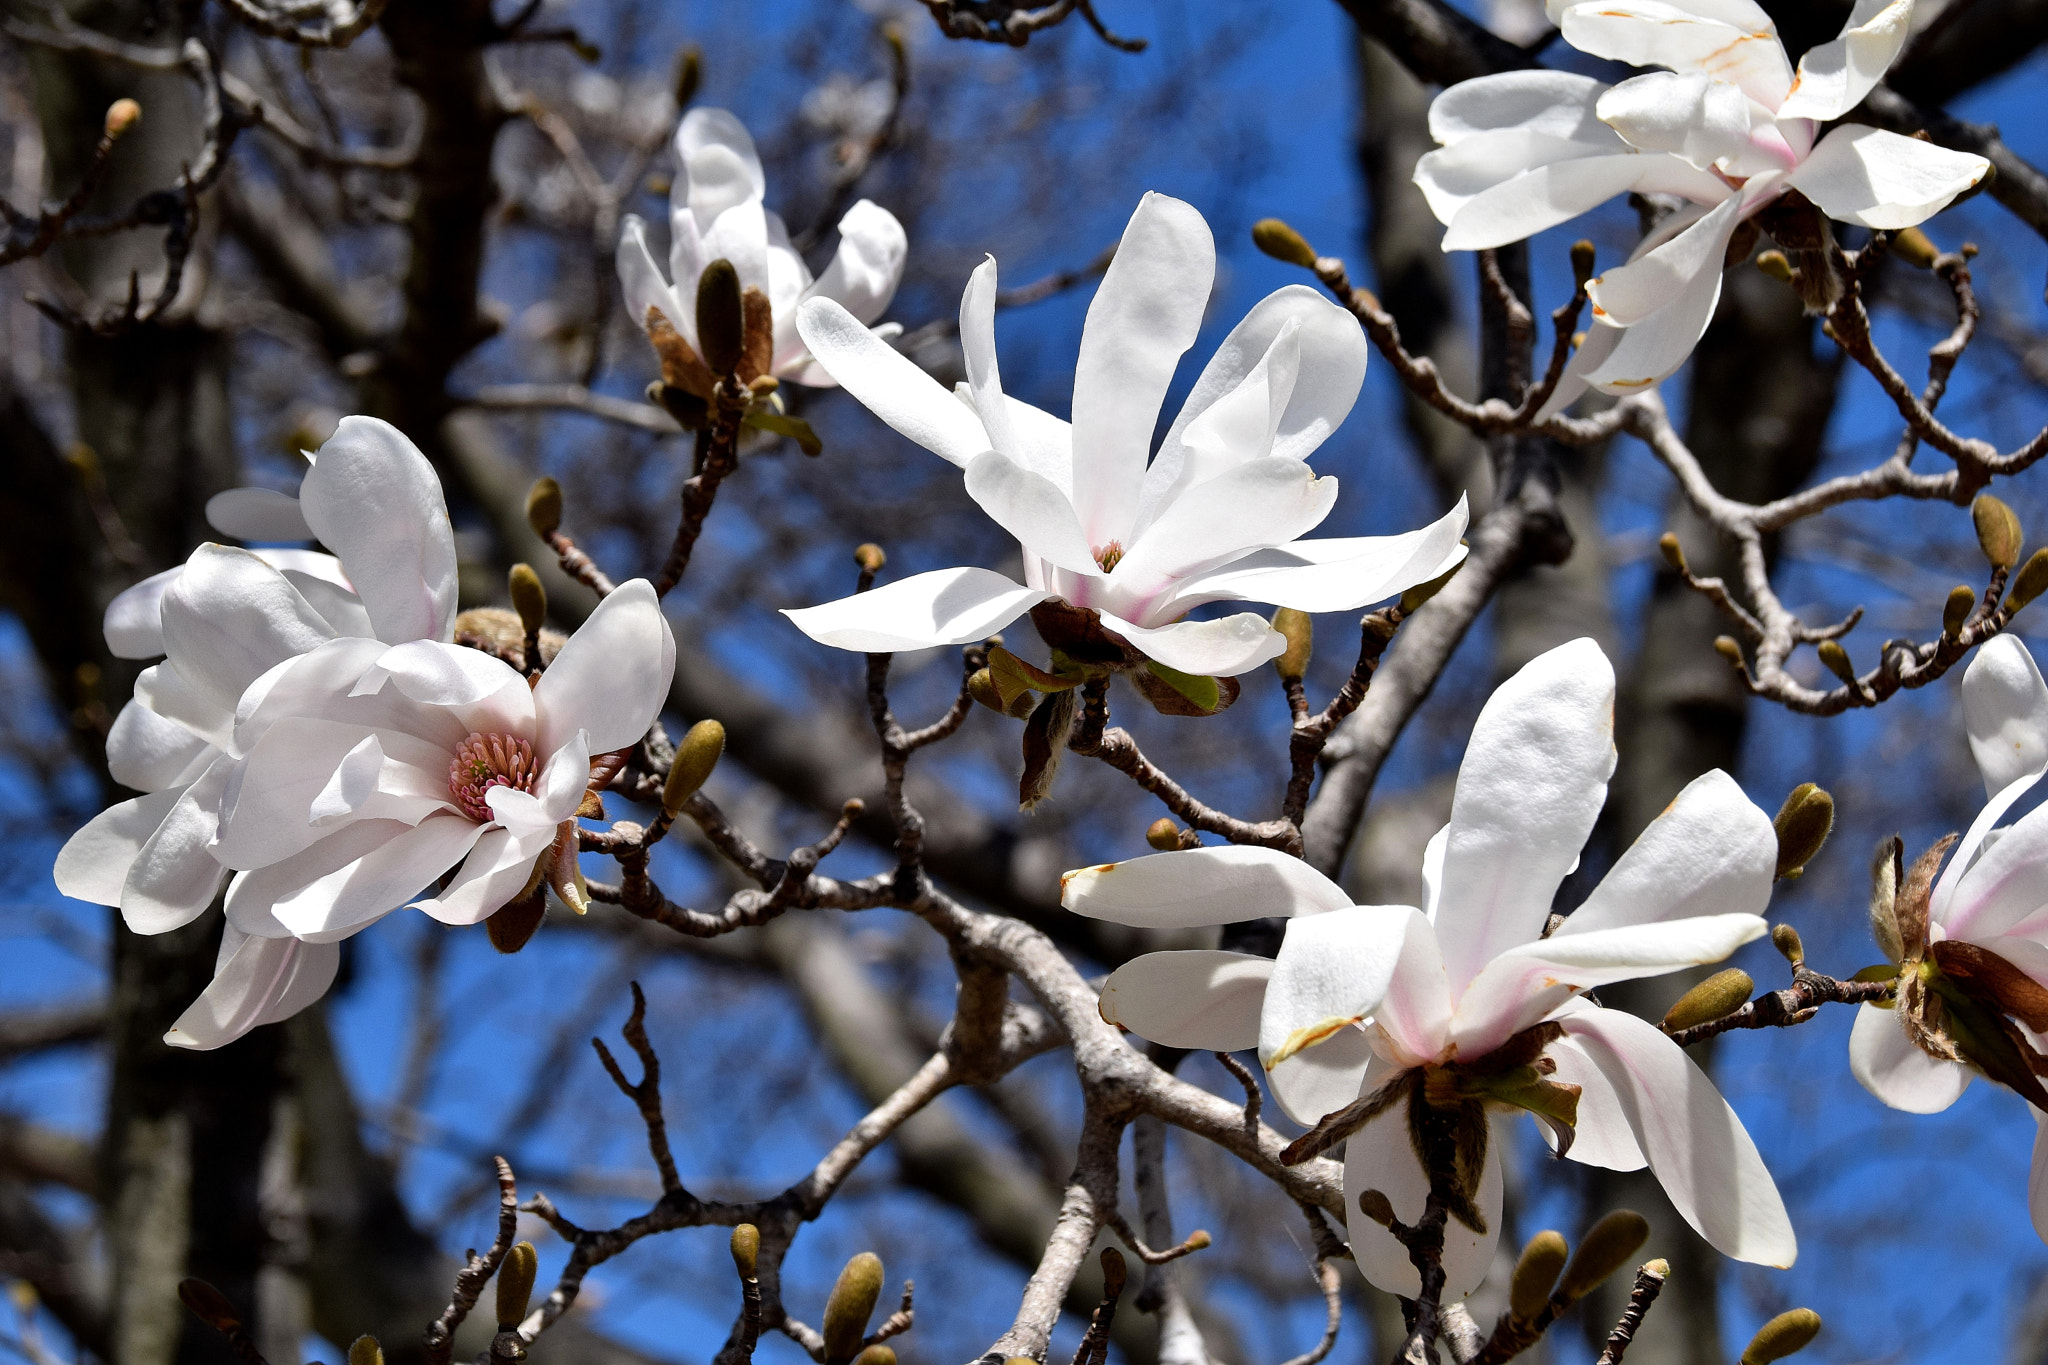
{"x":1649,"y":1283}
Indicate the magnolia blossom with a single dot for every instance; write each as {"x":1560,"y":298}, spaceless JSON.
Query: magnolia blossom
{"x":1466,"y":1005}
{"x":715,"y":212}
{"x":1214,"y":516}
{"x":1974,"y":946}
{"x":1730,"y":127}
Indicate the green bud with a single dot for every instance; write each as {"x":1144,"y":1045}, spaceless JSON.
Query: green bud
{"x":1163,"y":834}
{"x":981,"y":685}
{"x":876,"y":1355}
{"x":1283,"y":243}
{"x":689,"y":74}
{"x":1535,"y":1274}
{"x":1786,"y":940}
{"x":366,"y":1351}
{"x":691,"y":768}
{"x":529,"y":598}
{"x":721,"y":317}
{"x":1955,"y":613}
{"x":1914,"y":247}
{"x":852,"y":1303}
{"x":1412,"y":600}
{"x":1781,"y":1336}
{"x":1803,"y":824}
{"x":746,"y":1249}
{"x":1607,"y":1246}
{"x":1837,"y":660}
{"x":1719,"y":996}
{"x":2029,"y":583}
{"x":1775,"y":264}
{"x":544,"y":507}
{"x":1582,"y":262}
{"x":515,"y":1283}
{"x":1674,"y":553}
{"x":1725,"y":646}
{"x":1377,"y":1207}
{"x":1299,"y":631}
{"x":1998,"y":531}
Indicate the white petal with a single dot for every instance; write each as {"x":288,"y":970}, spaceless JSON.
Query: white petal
{"x":339,"y":607}
{"x":378,"y":880}
{"x":865,"y":270}
{"x":1881,"y":180}
{"x":264,"y":981}
{"x":174,"y":877}
{"x":273,"y":808}
{"x":1602,"y":1136}
{"x":1890,"y":1067}
{"x":1834,"y":77}
{"x":2005,"y":711}
{"x":891,"y":387}
{"x":1332,"y":972}
{"x":1500,"y":189}
{"x":497,"y":869}
{"x":1696,"y":1145}
{"x":612,"y":676}
{"x":1196,"y":887}
{"x":1530,"y":787}
{"x":943,"y":607}
{"x":1222,"y":649}
{"x":739,"y":236}
{"x":1664,"y":300}
{"x":1711,"y":852}
{"x":1145,"y":315}
{"x":718,"y":166}
{"x":1334,"y":575}
{"x":1591,"y":354}
{"x":322,"y":682}
{"x":533,"y":817}
{"x":2006,"y":884}
{"x":984,"y":375}
{"x":1204,"y":1000}
{"x":1259,"y":504}
{"x":1414,"y":1019}
{"x":1730,"y":40}
{"x":164,"y":690}
{"x":1381,"y":1157}
{"x":149,"y":753}
{"x":1690,"y":115}
{"x":1555,"y":104}
{"x":1044,"y":444}
{"x":436,"y":674}
{"x":229,"y":618}
{"x":1326,"y":1077}
{"x":641,"y":280}
{"x":373,"y":499}
{"x":1030,"y":507}
{"x":93,"y":864}
{"x":134,"y":621}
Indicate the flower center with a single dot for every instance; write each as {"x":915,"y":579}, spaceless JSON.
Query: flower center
{"x":1110,"y":555}
{"x":484,"y":761}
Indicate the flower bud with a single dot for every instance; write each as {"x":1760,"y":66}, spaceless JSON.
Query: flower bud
{"x":1837,"y":660}
{"x":746,"y":1249}
{"x":721,"y":317}
{"x":1299,"y":631}
{"x":1582,"y":262}
{"x":981,"y":685}
{"x":691,"y":768}
{"x":1884,"y":899}
{"x":870,"y":557}
{"x":689,"y":74}
{"x":515,"y":1283}
{"x":1998,"y":531}
{"x":1535,"y":1273}
{"x":366,"y":1351}
{"x":1674,"y":553}
{"x":1914,"y":247}
{"x":1412,"y":600}
{"x":2029,"y":583}
{"x":1725,"y":646}
{"x":1377,"y":1207}
{"x":1283,"y":243}
{"x":544,"y":507}
{"x":1606,"y":1248}
{"x":1803,"y":824}
{"x":1955,"y":613}
{"x":852,"y":1303}
{"x":1113,"y":1272}
{"x":1786,"y":940}
{"x":1781,"y":1336}
{"x":122,"y":115}
{"x":876,"y":1355}
{"x":1719,"y":996}
{"x":1163,"y":834}
{"x":209,"y":1305}
{"x":1775,"y":264}
{"x":529,"y":598}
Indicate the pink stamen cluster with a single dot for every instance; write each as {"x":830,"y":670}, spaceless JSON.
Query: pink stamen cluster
{"x":484,"y":761}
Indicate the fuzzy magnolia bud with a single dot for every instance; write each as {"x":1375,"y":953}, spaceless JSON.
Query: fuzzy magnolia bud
{"x":721,"y":317}
{"x":1607,"y":1247}
{"x":1719,"y":996}
{"x":1113,"y":1272}
{"x":1787,"y":941}
{"x":515,"y":1283}
{"x":544,"y":507}
{"x":1998,"y":531}
{"x":1582,"y":262}
{"x":122,"y":115}
{"x":1725,"y":646}
{"x":1283,"y":243}
{"x":1803,"y":824}
{"x":1781,"y":1336}
{"x":2029,"y":583}
{"x":1775,"y":264}
{"x":746,"y":1248}
{"x":852,"y":1303}
{"x":1955,"y":613}
{"x":981,"y":685}
{"x":1914,"y":247}
{"x":1674,"y":553}
{"x":529,"y":598}
{"x":876,"y":1355}
{"x":1377,"y":1207}
{"x":870,"y":557}
{"x":1163,"y":834}
{"x":1837,"y":660}
{"x":689,"y":74}
{"x":691,"y":768}
{"x":366,"y":1351}
{"x":1299,"y":632}
{"x":1535,"y":1274}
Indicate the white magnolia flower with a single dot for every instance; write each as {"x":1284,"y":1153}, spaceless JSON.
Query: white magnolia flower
{"x":1984,"y":948}
{"x":1466,"y":1000}
{"x":1216,"y":514}
{"x":1730,"y":127}
{"x":715,"y":212}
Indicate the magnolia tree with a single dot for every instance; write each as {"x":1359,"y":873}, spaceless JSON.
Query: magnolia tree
{"x":407,"y":670}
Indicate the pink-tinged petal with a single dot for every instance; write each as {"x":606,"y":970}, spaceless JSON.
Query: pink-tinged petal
{"x":1834,"y":77}
{"x":889,"y":384}
{"x":2006,"y":883}
{"x":2005,"y":711}
{"x":307,"y":775}
{"x":533,"y":817}
{"x":1530,"y":787}
{"x":1602,"y":1137}
{"x":1030,"y":507}
{"x":1143,"y":318}
{"x":1889,"y":1066}
{"x":1691,"y":116}
{"x":1333,"y":575}
{"x":1525,"y":984}
{"x":257,"y":981}
{"x":1697,"y":1147}
{"x":1222,"y":648}
{"x":1711,"y":852}
{"x":716,"y":163}
{"x":93,"y":865}
{"x":229,"y":618}
{"x":869,"y":263}
{"x":1413,"y":1020}
{"x":1326,"y":1077}
{"x":497,"y":869}
{"x":380,"y":879}
{"x":134,"y":624}
{"x":1196,"y":887}
{"x":1334,"y":971}
{"x":1204,"y":1000}
{"x":943,"y":607}
{"x":641,"y":280}
{"x":1664,"y":301}
{"x":148,"y":753}
{"x":1730,"y":40}
{"x":1882,"y":180}
{"x":1254,"y":506}
{"x":612,"y":676}
{"x":373,"y":499}
{"x":175,"y":876}
{"x":1381,"y":1157}
{"x":257,"y":514}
